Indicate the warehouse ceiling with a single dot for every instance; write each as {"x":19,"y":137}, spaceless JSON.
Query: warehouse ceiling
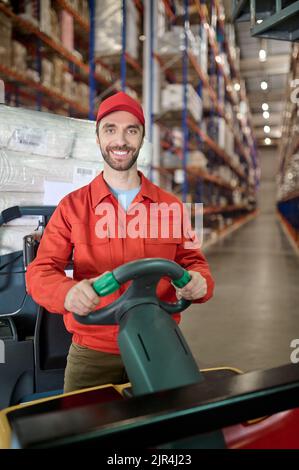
{"x":274,"y":70}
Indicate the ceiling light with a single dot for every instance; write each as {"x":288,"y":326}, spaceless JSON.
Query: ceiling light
{"x":262,"y":55}
{"x":259,"y":21}
{"x":268,"y":141}
{"x":237,"y":86}
{"x":142,"y":37}
{"x":265,"y":106}
{"x":266,"y":115}
{"x":264,"y":85}
{"x":267,"y":129}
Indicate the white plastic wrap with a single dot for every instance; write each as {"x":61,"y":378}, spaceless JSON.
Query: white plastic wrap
{"x":43,"y":157}
{"x":197,"y":159}
{"x":173,"y":100}
{"x":85,"y":146}
{"x":35,"y":133}
{"x":109,"y":20}
{"x":20,"y":172}
{"x":11,"y":238}
{"x":11,"y":199}
{"x":172,"y":42}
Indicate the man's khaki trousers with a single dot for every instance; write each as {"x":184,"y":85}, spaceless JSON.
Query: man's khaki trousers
{"x":89,"y":368}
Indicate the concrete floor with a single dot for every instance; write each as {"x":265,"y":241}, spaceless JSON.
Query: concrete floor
{"x":254,"y":314}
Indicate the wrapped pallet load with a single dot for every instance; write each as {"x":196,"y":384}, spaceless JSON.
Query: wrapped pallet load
{"x":43,"y":157}
{"x":109,"y":20}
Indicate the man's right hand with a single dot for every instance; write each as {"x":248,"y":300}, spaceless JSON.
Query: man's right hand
{"x":81,"y":298}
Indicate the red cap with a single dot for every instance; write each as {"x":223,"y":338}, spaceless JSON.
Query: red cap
{"x":121,"y":102}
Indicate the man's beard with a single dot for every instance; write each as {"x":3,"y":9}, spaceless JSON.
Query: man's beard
{"x":119,"y":165}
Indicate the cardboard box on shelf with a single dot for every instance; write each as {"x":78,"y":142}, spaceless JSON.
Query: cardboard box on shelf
{"x":83,"y":9}
{"x":83,"y":93}
{"x":47,"y":73}
{"x":33,"y":75}
{"x":67,"y":30}
{"x":177,"y":137}
{"x":19,"y":56}
{"x":27,"y":9}
{"x":55,"y":27}
{"x":197,"y":159}
{"x":5,"y":42}
{"x":67,"y":84}
{"x":58,"y":69}
{"x":45,"y":17}
{"x":173,"y":99}
{"x":104,"y":72}
{"x":170,"y":160}
{"x":74,"y":4}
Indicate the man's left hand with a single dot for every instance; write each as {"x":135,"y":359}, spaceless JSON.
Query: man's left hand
{"x":195,"y":289}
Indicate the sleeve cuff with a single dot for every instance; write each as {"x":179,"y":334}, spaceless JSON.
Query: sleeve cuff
{"x":60,"y":295}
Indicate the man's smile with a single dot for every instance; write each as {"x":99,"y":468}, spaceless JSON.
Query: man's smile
{"x":120,"y":153}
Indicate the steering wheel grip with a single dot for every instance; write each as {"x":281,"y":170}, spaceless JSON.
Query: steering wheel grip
{"x":156,"y":268}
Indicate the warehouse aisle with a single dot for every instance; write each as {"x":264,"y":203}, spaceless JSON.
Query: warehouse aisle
{"x":254,"y":314}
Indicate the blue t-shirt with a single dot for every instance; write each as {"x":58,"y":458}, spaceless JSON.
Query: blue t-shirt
{"x":125,"y":196}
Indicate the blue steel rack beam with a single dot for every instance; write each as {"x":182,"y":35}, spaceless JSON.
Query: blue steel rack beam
{"x":92,"y":66}
{"x":150,"y":84}
{"x":152,"y":64}
{"x":124,"y":46}
{"x":185,"y":105}
{"x":38,"y":66}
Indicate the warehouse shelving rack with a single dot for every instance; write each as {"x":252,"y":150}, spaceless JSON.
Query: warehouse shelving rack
{"x":22,"y":87}
{"x":288,"y":199}
{"x":183,"y":68}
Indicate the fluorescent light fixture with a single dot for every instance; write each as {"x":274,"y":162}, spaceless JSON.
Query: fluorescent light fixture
{"x":268,"y":141}
{"x":267,"y":129}
{"x":262,"y":55}
{"x":259,"y":21}
{"x":265,"y":106}
{"x":266,"y":115}
{"x":237,"y":86}
{"x":264,"y":85}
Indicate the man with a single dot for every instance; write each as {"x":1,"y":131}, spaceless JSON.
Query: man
{"x":76,"y":229}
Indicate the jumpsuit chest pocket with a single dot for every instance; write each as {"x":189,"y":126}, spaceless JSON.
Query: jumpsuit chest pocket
{"x":92,"y":254}
{"x":162,"y":247}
